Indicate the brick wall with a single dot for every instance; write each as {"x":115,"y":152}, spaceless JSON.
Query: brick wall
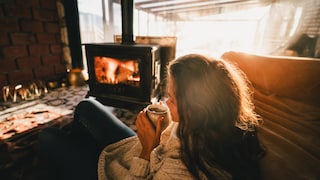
{"x":30,"y":42}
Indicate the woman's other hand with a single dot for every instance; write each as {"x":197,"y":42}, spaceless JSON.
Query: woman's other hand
{"x":147,"y":134}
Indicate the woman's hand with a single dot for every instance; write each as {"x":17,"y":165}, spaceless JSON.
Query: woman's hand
{"x":147,"y":134}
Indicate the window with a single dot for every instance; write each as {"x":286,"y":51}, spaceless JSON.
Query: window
{"x":213,"y":28}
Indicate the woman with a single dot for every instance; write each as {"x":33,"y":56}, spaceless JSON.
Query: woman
{"x":212,"y":134}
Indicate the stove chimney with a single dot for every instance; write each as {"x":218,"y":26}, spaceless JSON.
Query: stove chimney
{"x":127,"y":21}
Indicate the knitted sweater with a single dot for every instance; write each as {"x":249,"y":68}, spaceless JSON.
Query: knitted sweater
{"x":121,"y":160}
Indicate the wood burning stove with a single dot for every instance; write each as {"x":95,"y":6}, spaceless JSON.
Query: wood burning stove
{"x":124,"y":74}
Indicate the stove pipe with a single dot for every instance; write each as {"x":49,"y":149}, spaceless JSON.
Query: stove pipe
{"x":127,"y":21}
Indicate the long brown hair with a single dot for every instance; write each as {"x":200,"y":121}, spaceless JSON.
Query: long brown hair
{"x":217,"y":122}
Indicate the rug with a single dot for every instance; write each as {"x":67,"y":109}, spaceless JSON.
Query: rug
{"x":28,"y":117}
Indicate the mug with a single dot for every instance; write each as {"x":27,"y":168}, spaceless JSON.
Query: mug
{"x":154,"y":111}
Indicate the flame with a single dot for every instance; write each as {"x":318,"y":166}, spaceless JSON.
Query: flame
{"x":114,"y":71}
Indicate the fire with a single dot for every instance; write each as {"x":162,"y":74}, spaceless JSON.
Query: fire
{"x":114,"y":71}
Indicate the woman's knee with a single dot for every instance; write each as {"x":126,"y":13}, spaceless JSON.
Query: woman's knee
{"x":85,"y":103}
{"x":86,"y":107}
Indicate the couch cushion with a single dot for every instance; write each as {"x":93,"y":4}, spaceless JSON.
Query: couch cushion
{"x":290,"y":133}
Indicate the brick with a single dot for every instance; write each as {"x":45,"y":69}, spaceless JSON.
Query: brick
{"x":46,"y":38}
{"x":44,"y":72}
{"x":9,"y":24}
{"x":52,"y":27}
{"x":36,"y":50}
{"x":52,"y":59}
{"x":60,"y":69}
{"x":14,"y":11}
{"x":58,"y":38}
{"x":4,"y":39}
{"x":56,"y":48}
{"x":32,"y":26}
{"x":20,"y":76}
{"x":28,"y":3}
{"x":28,"y":62}
{"x":7,"y":65}
{"x":22,"y":38}
{"x":14,"y":51}
{"x":3,"y":80}
{"x":48,"y":4}
{"x":45,"y":15}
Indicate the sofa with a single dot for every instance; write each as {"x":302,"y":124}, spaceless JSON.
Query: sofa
{"x":286,"y":92}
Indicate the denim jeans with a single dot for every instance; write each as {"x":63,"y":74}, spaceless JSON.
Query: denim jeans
{"x":74,"y":154}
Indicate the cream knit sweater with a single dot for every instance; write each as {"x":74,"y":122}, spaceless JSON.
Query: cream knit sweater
{"x":121,"y":160}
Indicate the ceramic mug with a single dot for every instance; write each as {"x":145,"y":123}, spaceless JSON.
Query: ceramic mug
{"x":154,"y":111}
